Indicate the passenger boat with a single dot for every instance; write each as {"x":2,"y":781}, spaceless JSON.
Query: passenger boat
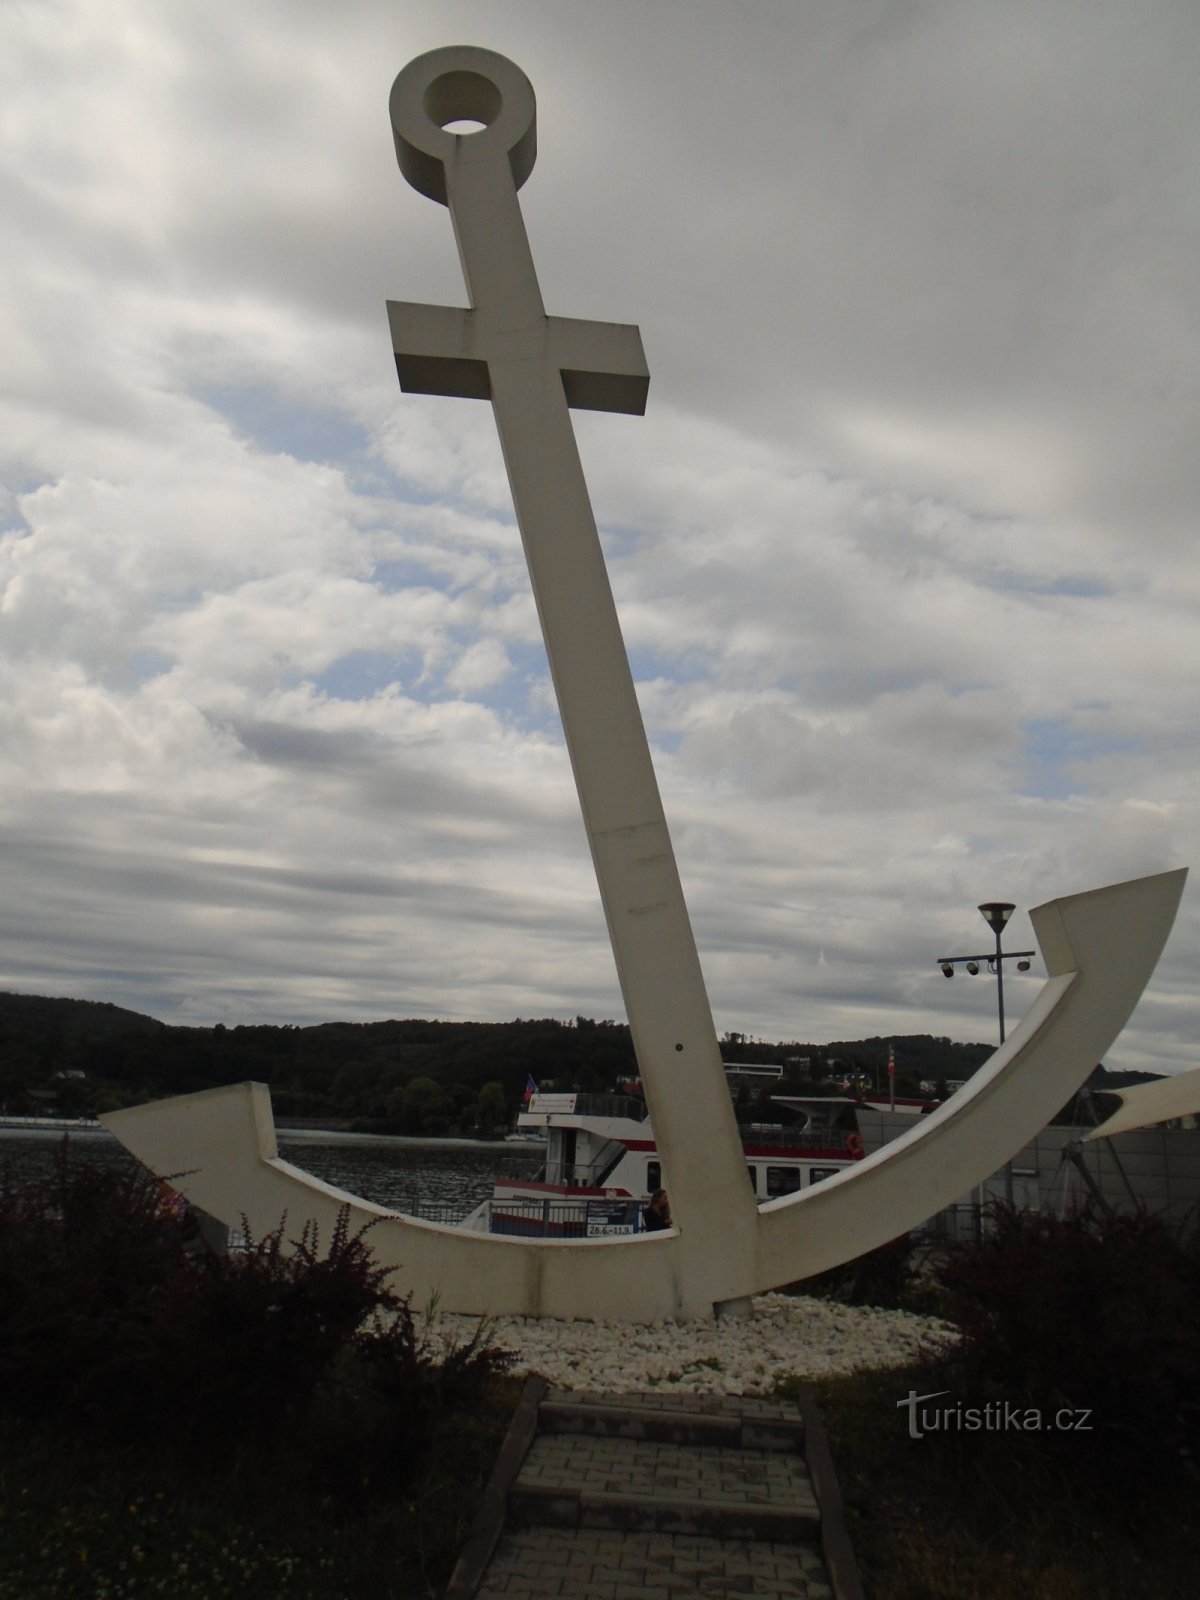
{"x":602,"y":1163}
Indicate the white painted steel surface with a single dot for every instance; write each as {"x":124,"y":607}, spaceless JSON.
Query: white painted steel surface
{"x":1144,"y":1104}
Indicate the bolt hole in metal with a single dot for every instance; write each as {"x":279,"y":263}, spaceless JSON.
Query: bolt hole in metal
{"x":462,"y":102}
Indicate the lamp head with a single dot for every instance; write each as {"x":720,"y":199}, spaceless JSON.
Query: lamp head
{"x":947,"y":970}
{"x":996,"y":913}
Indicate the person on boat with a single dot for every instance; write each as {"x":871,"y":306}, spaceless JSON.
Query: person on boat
{"x":657,"y":1214}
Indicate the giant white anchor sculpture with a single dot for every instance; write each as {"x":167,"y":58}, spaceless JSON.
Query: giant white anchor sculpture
{"x":1100,"y":948}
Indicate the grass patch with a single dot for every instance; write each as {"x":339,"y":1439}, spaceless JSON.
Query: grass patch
{"x":80,"y":1520}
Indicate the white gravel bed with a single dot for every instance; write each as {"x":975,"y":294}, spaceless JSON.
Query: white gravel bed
{"x":785,"y":1335}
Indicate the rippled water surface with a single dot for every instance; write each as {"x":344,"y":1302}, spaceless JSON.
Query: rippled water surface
{"x":392,"y":1172}
{"x":398,"y":1173}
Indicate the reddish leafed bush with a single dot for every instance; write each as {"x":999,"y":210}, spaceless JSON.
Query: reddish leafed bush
{"x":112,"y":1319}
{"x":82,"y":1258}
{"x":883,"y":1277}
{"x":1084,"y":1312}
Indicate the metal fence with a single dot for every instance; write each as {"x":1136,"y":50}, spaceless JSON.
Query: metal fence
{"x":564,"y":1219}
{"x":429,"y":1211}
{"x":961,"y":1224}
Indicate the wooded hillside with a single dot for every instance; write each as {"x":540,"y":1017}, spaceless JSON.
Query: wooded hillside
{"x":407,"y":1075}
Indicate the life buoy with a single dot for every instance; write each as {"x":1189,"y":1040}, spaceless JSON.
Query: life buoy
{"x":854,"y":1144}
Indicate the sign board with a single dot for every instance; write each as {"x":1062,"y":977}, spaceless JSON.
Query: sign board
{"x":552,"y":1103}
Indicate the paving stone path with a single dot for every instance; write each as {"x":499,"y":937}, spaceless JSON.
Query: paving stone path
{"x":550,"y":1562}
{"x":650,"y":1497}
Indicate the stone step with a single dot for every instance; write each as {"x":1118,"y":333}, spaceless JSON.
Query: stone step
{"x":642,"y":1485}
{"x":676,"y":1419}
{"x":627,"y":1514}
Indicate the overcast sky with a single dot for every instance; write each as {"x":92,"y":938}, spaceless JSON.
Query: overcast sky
{"x":904,"y":548}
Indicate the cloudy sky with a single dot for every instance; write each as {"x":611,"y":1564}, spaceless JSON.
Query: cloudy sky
{"x":904,"y":548}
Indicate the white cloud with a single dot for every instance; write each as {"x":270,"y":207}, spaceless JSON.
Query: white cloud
{"x":902,"y":550}
{"x":480,"y":666}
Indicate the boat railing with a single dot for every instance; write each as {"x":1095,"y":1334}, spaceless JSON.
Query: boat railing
{"x":611,"y":1105}
{"x":540,"y":1218}
{"x":794,"y":1138}
{"x":564,"y":1219}
{"x":429,"y":1210}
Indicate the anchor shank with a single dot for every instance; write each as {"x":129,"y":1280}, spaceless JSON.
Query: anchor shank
{"x":657,"y":964}
{"x":493,"y":247}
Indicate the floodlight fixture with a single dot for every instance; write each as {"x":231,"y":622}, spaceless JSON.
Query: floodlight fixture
{"x":996,"y":913}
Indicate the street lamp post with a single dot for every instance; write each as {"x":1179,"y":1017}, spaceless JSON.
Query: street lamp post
{"x":996,"y":914}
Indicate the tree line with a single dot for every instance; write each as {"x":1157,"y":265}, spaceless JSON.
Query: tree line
{"x":407,"y":1075}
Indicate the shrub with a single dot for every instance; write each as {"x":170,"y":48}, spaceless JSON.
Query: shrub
{"x":81,"y":1258}
{"x":883,"y":1277}
{"x":1084,"y":1311}
{"x":112,"y":1319}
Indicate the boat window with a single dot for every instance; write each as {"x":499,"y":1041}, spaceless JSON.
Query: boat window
{"x":653,"y":1176}
{"x":815,"y":1174}
{"x":782,"y":1180}
{"x":752,"y":1173}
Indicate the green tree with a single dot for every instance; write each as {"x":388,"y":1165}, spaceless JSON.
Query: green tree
{"x":422,"y":1106}
{"x":492,"y":1111}
{"x":76,"y":1097}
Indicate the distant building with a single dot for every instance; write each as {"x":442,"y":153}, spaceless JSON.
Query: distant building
{"x":738,"y":1072}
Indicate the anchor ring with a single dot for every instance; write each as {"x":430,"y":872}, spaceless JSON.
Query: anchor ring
{"x":460,"y":83}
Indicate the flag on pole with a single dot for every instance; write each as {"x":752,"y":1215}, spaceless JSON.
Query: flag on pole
{"x":531,"y":1089}
{"x":891,"y":1061}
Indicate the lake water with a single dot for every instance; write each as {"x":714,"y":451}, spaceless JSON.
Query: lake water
{"x":401,"y":1174}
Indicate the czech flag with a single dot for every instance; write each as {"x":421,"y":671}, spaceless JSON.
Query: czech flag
{"x":531,"y":1089}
